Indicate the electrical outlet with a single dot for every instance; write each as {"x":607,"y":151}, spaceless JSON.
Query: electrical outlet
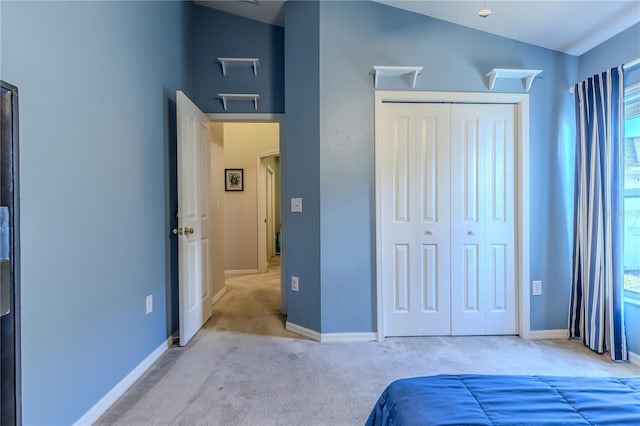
{"x":537,"y":288}
{"x":294,"y":283}
{"x":149,"y":304}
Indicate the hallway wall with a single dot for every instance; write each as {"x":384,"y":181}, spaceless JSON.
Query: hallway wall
{"x":216,"y":206}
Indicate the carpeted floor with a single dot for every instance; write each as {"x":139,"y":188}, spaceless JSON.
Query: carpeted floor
{"x":244,"y":368}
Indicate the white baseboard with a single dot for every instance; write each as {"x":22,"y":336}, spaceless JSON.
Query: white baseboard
{"x":634,"y":359}
{"x":348,"y":337}
{"x":240,"y":271}
{"x":298,"y":329}
{"x":547,"y":334}
{"x":118,"y":390}
{"x":218,"y":295}
{"x":331,"y":337}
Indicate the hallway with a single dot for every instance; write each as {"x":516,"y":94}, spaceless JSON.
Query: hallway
{"x":251,"y":304}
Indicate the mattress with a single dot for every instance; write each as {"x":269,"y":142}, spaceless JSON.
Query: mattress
{"x":470,"y":399}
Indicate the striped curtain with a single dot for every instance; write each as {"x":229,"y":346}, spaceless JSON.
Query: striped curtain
{"x":596,"y":305}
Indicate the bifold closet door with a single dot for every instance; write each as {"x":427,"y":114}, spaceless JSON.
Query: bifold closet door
{"x":483,"y":297}
{"x":415,"y":219}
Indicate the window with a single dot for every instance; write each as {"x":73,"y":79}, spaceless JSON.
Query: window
{"x":631,"y":235}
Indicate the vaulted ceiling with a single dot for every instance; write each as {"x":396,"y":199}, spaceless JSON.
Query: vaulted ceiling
{"x":569,"y":26}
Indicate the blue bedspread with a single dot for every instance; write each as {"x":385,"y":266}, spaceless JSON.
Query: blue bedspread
{"x":507,"y":400}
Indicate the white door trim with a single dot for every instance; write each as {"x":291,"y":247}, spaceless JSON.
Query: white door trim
{"x":268,"y":118}
{"x":263,"y":262}
{"x":521,"y":102}
{"x":270,"y":188}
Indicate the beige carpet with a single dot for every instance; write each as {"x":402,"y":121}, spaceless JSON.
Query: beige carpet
{"x":243,"y":368}
{"x":251,"y":304}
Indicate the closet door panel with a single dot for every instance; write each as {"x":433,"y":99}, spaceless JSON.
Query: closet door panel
{"x":468,"y":194}
{"x":501,"y":308}
{"x":415,"y":219}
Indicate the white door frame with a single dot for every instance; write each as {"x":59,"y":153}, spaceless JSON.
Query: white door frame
{"x":267,"y":118}
{"x":270,"y":188}
{"x":263,"y":262}
{"x":521,"y":101}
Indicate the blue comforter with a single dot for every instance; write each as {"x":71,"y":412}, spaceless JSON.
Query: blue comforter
{"x":507,"y":400}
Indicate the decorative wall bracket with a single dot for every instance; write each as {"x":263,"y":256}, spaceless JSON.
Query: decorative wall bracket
{"x":239,"y":97}
{"x":395,"y":71}
{"x":225,"y":62}
{"x":527,"y":75}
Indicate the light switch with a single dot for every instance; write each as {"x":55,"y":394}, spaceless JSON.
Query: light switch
{"x":296,"y":205}
{"x":537,"y":288}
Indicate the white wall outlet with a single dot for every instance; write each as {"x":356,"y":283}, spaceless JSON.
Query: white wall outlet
{"x":296,"y":205}
{"x":294,"y":283}
{"x":537,"y":288}
{"x":149,"y":304}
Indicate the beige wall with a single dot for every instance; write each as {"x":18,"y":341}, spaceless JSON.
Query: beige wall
{"x":216,"y":206}
{"x":243,"y":142}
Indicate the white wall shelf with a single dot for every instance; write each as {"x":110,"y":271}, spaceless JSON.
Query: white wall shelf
{"x":225,"y":62}
{"x":239,"y":97}
{"x":395,"y":71}
{"x":527,"y":75}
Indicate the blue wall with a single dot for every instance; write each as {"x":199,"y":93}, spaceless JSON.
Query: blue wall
{"x":300,"y":162}
{"x":96,"y":80}
{"x":620,"y":49}
{"x":219,"y":34}
{"x":353,"y":37}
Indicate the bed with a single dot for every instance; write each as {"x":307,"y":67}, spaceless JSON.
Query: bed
{"x":470,"y":399}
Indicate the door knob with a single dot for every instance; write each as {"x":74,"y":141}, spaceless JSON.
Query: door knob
{"x":188,"y":231}
{"x":470,"y":232}
{"x":177,"y":231}
{"x":428,"y":232}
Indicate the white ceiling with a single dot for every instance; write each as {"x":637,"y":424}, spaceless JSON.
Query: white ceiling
{"x":269,"y":11}
{"x":569,"y":26}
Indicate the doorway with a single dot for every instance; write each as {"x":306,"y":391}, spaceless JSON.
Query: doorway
{"x":212,"y":200}
{"x":268,"y":208}
{"x":248,"y":245}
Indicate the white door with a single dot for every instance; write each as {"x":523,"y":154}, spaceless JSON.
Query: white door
{"x":193,"y":218}
{"x":415,"y":247}
{"x":483,"y":220}
{"x":271,"y":231}
{"x":447,"y":216}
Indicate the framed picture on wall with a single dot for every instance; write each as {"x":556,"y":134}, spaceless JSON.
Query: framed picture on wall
{"x":234,"y":179}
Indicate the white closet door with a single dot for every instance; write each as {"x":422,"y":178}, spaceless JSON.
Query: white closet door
{"x":415,"y":241}
{"x":482,"y":214}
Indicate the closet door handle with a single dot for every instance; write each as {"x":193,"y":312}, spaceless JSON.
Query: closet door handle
{"x":428,"y":232}
{"x":470,"y":232}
